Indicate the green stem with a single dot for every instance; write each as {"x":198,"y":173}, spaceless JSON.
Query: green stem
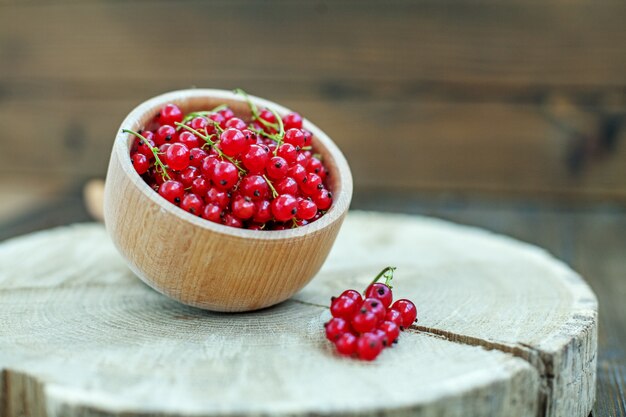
{"x":155,"y":152}
{"x":203,"y":113}
{"x":274,"y":192}
{"x":387,"y":273}
{"x":255,"y":111}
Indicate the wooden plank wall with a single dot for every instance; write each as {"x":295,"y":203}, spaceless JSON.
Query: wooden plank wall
{"x":519,"y":98}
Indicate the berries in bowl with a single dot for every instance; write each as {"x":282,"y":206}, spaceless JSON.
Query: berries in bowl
{"x":224,"y":201}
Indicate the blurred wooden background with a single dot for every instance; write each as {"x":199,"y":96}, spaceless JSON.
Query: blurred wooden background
{"x":523,"y":98}
{"x":507,"y":115}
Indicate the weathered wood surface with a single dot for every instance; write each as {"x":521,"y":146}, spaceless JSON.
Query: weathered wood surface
{"x":518,"y":97}
{"x":505,"y":330}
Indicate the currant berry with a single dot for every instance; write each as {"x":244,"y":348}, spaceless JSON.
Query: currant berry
{"x":263,"y":212}
{"x":286,"y":186}
{"x":217,"y":197}
{"x":199,"y":123}
{"x":189,"y":140}
{"x":323,"y":199}
{"x":288,"y":152}
{"x":346,"y":344}
{"x":297,"y":172}
{"x":276,"y":168}
{"x":140,"y":162}
{"x":407,"y":310}
{"x":295,"y":137}
{"x":284,"y":207}
{"x":235,"y":123}
{"x":232,"y":221}
{"x":292,"y":121}
{"x":192,"y":203}
{"x":255,"y":158}
{"x":208,"y":165}
{"x":225,"y":175}
{"x":343,"y":307}
{"x":355,"y":295}
{"x":212,"y":212}
{"x":311,"y":184}
{"x":187,"y":175}
{"x":394,"y":316}
{"x":169,"y":115}
{"x":254,"y":187}
{"x":381,"y":292}
{"x":196,"y":157}
{"x":232,"y":142}
{"x":306,"y":209}
{"x":199,"y":186}
{"x":227,"y":113}
{"x":369,"y":346}
{"x":382,"y":336}
{"x":392,"y":331}
{"x":242,"y":207}
{"x":364,"y":321}
{"x":375,"y":306}
{"x":335,"y":328}
{"x":165,"y":134}
{"x":177,"y":156}
{"x":172,"y":191}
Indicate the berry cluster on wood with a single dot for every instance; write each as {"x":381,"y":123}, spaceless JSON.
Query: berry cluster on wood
{"x":363,"y":327}
{"x":257,"y":174}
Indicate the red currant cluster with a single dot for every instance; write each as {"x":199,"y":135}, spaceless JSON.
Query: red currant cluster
{"x":260,"y":174}
{"x":364,"y":327}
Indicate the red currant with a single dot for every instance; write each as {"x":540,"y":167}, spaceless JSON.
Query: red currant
{"x":189,"y":140}
{"x":172,"y":191}
{"x":295,"y":137}
{"x":392,"y":331}
{"x":284,"y":207}
{"x":364,"y":321}
{"x":177,"y":156}
{"x":165,"y":134}
{"x":323,"y":199}
{"x":255,"y":158}
{"x":286,"y":186}
{"x":212,"y":212}
{"x":346,"y":344}
{"x":242,"y":207}
{"x":196,"y":157}
{"x":141,"y":163}
{"x":254,"y":187}
{"x":170,"y":114}
{"x":225,"y":175}
{"x":306,"y":209}
{"x":217,"y":197}
{"x":276,"y":168}
{"x":192,"y":203}
{"x":232,"y":142}
{"x":292,"y":121}
{"x":395,"y":317}
{"x":369,"y":346}
{"x":374,"y":305}
{"x":381,"y":292}
{"x":355,"y":295}
{"x":335,"y":328}
{"x":343,"y":307}
{"x":407,"y":310}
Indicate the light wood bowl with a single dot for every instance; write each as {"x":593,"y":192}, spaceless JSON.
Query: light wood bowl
{"x":205,"y":264}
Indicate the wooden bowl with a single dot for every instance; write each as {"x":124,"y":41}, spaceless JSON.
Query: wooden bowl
{"x":205,"y":264}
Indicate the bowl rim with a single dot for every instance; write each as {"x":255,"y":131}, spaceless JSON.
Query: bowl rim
{"x":341,"y":197}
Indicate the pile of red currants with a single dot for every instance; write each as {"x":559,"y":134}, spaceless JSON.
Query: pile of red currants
{"x":256,"y":174}
{"x":364,"y":327}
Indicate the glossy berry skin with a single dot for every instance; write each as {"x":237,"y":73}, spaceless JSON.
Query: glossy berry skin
{"x":263,"y":213}
{"x":355,"y":295}
{"x":172,"y":191}
{"x":346,"y":344}
{"x":141,"y":163}
{"x":196,"y":157}
{"x":295,"y":137}
{"x":200,"y":186}
{"x":292,"y":121}
{"x":306,"y":209}
{"x":392,"y":331}
{"x":335,"y":328}
{"x":165,"y":134}
{"x":276,"y":168}
{"x":187,"y":175}
{"x":169,"y":115}
{"x":217,"y":197}
{"x":232,"y":142}
{"x":235,"y":123}
{"x":369,"y":346}
{"x":212,"y":212}
{"x":374,"y":305}
{"x":144,"y":149}
{"x":323,"y":199}
{"x":254,"y":187}
{"x":311,"y":184}
{"x":407,"y":310}
{"x":177,"y":156}
{"x":192,"y":203}
{"x":199,"y":123}
{"x":297,"y":172}
{"x":225,"y":175}
{"x":255,"y":159}
{"x":382,"y":336}
{"x":343,"y":307}
{"x":189,"y":140}
{"x":288,"y":152}
{"x":243,"y":207}
{"x":232,"y":221}
{"x":381,"y":292}
{"x":284,"y":207}
{"x":394,"y":316}
{"x":364,"y":321}
{"x":286,"y":186}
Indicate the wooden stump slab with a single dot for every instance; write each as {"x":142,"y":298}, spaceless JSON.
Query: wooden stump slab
{"x":504,"y":330}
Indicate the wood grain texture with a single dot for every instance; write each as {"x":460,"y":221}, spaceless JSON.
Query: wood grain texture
{"x":205,"y":264}
{"x":460,"y":91}
{"x":504,"y":330}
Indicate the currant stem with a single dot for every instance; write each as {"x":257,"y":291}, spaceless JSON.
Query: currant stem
{"x":203,"y":113}
{"x":207,"y":139}
{"x":274,"y":192}
{"x":387,"y":273}
{"x":155,"y":152}
{"x":255,"y":111}
{"x":281,"y":130}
